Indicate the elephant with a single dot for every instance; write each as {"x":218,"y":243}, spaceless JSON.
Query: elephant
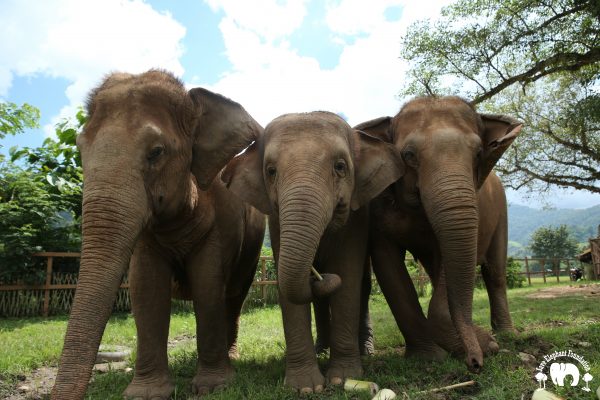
{"x":313,"y":175}
{"x":559,"y":371}
{"x":449,"y":211}
{"x":150,"y":152}
{"x":322,"y":312}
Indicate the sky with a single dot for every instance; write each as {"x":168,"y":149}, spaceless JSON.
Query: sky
{"x":272,"y":56}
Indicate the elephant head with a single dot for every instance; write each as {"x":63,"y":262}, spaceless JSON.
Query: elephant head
{"x":310,"y":170}
{"x":449,"y":150}
{"x":144,"y":138}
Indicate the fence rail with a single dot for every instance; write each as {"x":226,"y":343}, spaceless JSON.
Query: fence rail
{"x":55,"y":295}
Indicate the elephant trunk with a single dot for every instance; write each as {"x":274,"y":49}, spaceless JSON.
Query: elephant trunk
{"x":112,"y":220}
{"x":304,"y":214}
{"x":451,"y":205}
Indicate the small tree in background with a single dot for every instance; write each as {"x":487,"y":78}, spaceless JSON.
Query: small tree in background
{"x":554,"y":243}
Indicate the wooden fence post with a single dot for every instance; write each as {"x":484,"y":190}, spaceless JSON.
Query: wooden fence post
{"x":543,"y":266}
{"x":263,"y":277}
{"x":49,"y":262}
{"x":527,"y":269}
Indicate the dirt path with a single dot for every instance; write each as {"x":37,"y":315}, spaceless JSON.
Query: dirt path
{"x":38,"y":384}
{"x":562,"y":291}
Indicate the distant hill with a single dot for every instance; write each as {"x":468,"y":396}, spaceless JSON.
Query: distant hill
{"x":523,"y":221}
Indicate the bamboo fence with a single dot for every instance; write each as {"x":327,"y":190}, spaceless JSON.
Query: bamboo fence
{"x":55,"y":295}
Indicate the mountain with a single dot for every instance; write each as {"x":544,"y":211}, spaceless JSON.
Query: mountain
{"x":523,"y":221}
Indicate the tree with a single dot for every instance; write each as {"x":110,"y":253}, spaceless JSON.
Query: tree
{"x":550,"y":242}
{"x":40,"y":202}
{"x":15,"y":119}
{"x":537,"y":60}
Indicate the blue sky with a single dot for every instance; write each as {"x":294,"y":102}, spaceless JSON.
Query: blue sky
{"x":272,"y":56}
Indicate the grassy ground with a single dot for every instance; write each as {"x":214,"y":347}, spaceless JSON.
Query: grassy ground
{"x":546,"y":325}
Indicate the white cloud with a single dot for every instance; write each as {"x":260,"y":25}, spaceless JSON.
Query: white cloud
{"x":82,"y":40}
{"x":267,"y":18}
{"x":269,"y":77}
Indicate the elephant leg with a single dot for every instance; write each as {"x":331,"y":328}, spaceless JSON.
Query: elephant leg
{"x":344,"y":356}
{"x":205,"y":273}
{"x":401,"y":296}
{"x":443,"y":329}
{"x":323,"y":324}
{"x":234,"y":309}
{"x":366,"y":343}
{"x":150,"y":291}
{"x":301,"y":368}
{"x":494,"y":276}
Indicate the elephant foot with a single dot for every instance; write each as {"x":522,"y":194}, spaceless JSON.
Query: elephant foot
{"x":234,"y":353}
{"x":305,"y":379}
{"x":425,"y":351}
{"x":487,"y":342}
{"x":154,"y":388}
{"x":339,"y":371}
{"x":209,"y":379}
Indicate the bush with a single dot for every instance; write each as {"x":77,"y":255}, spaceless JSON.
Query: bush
{"x":514,"y":278}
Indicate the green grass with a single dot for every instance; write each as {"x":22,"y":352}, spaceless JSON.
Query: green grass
{"x":546,"y":325}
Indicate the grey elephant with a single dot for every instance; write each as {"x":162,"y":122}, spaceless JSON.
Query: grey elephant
{"x":313,"y":175}
{"x":150,"y":151}
{"x":449,"y":211}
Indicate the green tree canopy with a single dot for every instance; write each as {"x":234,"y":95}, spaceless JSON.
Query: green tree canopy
{"x":553,"y":242}
{"x":15,"y":119}
{"x":537,"y":60}
{"x":40,"y":201}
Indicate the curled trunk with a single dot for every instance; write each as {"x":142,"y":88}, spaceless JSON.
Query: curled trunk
{"x":112,"y":221}
{"x":450,"y":203}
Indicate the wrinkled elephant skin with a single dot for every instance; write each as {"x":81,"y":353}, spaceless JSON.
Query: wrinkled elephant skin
{"x":449,"y":211}
{"x":313,"y":174}
{"x":150,"y":201}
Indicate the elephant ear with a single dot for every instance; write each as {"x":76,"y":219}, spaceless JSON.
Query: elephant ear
{"x":377,"y":165}
{"x":378,"y":127}
{"x":244,"y":177}
{"x":499,"y":131}
{"x":222,"y":130}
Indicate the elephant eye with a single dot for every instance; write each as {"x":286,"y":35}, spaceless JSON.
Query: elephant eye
{"x":155,"y":153}
{"x":340,"y":167}
{"x":271,"y":171}
{"x":409,"y":156}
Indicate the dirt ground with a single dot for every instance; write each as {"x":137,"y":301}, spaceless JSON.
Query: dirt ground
{"x":587,"y":290}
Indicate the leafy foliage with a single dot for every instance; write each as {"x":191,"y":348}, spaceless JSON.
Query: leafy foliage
{"x":553,"y":242}
{"x":514,"y":278}
{"x":15,"y":119}
{"x":40,"y":202}
{"x":539,"y":61}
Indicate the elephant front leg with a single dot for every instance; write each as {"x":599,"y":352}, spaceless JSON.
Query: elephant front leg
{"x":301,"y":369}
{"x":441,"y":325}
{"x":323,"y":324}
{"x":150,"y":291}
{"x":401,"y":296}
{"x":205,"y":273}
{"x":494,"y":275}
{"x":344,"y":360}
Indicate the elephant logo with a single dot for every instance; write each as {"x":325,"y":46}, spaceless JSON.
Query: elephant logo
{"x":561,"y":372}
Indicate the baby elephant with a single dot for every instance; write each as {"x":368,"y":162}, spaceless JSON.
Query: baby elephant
{"x":312,"y":174}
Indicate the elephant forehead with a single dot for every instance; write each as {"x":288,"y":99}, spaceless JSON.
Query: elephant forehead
{"x":303,"y":144}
